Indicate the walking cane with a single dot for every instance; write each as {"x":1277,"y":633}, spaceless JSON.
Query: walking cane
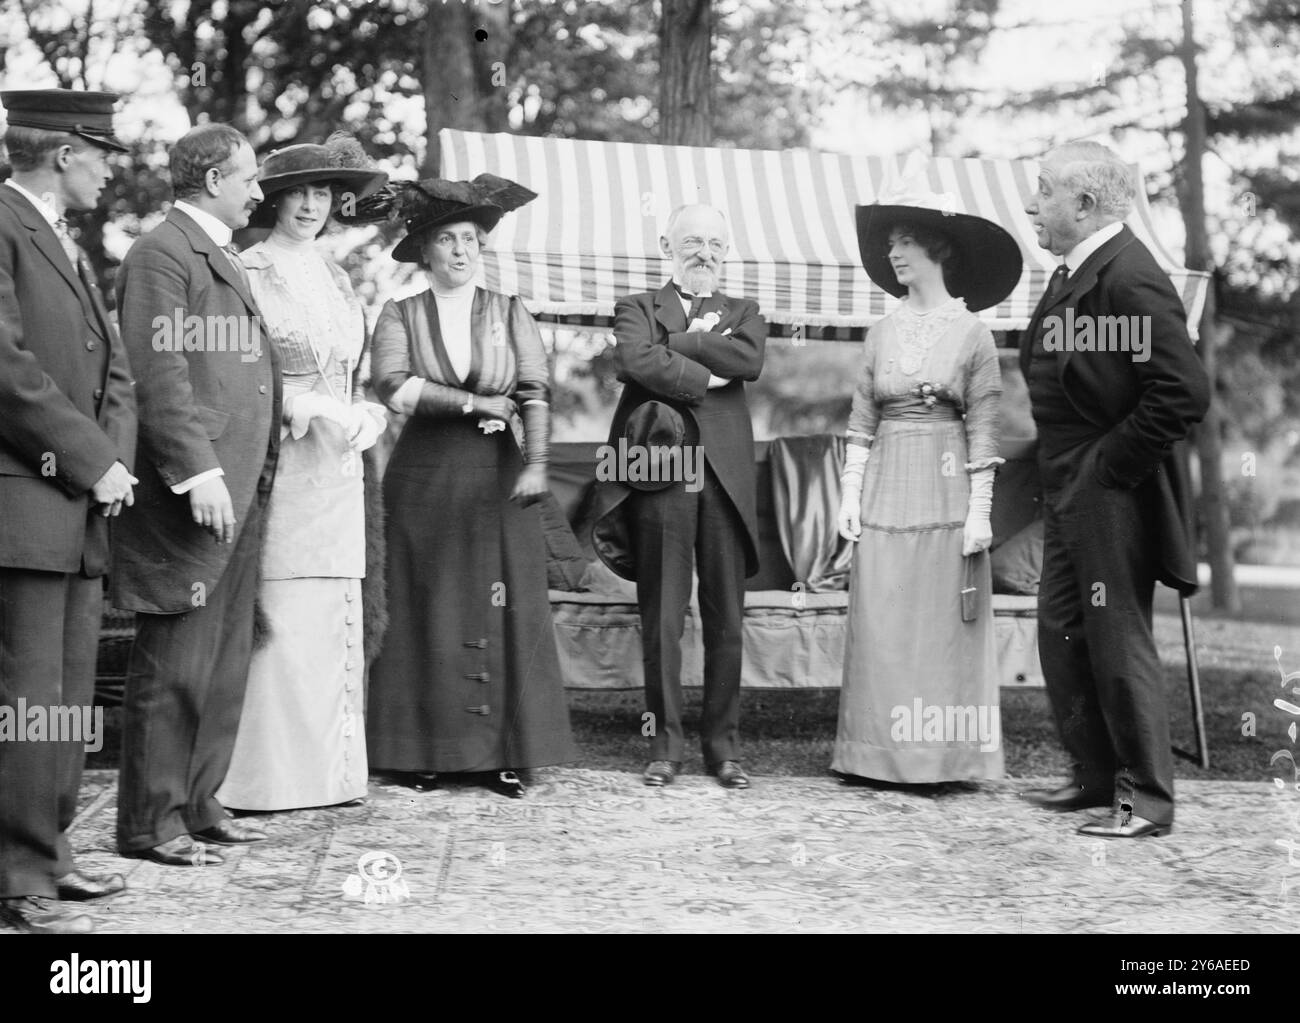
{"x":1202,"y":754}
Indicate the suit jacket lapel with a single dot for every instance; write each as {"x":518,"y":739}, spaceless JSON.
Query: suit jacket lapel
{"x":47,"y":242}
{"x":668,"y":309}
{"x":101,"y":321}
{"x":1083,"y":280}
{"x":1079,"y":283}
{"x":217,"y":259}
{"x":1027,"y":338}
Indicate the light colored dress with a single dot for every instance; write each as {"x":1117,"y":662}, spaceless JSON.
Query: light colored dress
{"x":301,"y":739}
{"x":919,"y":701}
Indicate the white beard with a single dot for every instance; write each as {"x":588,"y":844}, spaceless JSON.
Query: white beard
{"x":699,"y":280}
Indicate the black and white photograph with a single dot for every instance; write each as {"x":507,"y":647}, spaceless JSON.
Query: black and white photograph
{"x":651,"y":467}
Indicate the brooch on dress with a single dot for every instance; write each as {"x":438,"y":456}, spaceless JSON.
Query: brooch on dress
{"x":930,"y":394}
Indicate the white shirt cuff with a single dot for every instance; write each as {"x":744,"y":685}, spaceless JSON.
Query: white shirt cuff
{"x":185,"y":486}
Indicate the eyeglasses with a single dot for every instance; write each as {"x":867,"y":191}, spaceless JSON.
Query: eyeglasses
{"x":715,"y":245}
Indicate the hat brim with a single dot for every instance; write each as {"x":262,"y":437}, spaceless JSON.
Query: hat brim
{"x":103,"y":141}
{"x":989,"y":260}
{"x":362,"y":182}
{"x":486,"y":216}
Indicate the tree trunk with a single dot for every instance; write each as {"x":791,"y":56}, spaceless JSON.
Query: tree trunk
{"x":464,"y":75}
{"x":1209,"y":441}
{"x":685,"y":73}
{"x":231,"y":86}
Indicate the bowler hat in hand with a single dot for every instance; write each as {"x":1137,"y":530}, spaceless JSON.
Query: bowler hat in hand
{"x":652,"y":429}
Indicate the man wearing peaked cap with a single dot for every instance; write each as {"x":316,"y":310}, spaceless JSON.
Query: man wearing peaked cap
{"x":87,"y":115}
{"x":67,"y":441}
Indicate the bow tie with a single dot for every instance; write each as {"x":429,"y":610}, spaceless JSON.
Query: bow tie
{"x":696,"y":302}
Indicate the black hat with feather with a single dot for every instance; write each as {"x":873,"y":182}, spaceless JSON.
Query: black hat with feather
{"x":424,"y":205}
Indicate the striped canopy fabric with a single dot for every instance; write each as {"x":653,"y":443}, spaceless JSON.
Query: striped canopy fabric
{"x":593,"y":233}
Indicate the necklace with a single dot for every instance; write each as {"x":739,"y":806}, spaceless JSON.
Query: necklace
{"x":919,"y":332}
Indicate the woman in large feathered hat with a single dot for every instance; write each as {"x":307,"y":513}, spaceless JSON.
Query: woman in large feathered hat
{"x":916,"y":495}
{"x":468,"y":681}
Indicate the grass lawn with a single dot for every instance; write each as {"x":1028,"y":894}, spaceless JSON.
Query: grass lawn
{"x":792,"y":732}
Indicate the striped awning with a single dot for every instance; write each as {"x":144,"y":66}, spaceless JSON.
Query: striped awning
{"x":593,"y":233}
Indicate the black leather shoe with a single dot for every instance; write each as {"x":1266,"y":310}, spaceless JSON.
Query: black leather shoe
{"x":37,"y":915}
{"x":230,"y":832}
{"x":1067,"y":798}
{"x":507,"y":783}
{"x":1123,"y":823}
{"x":79,"y":887}
{"x":181,"y":851}
{"x":730,"y":775}
{"x":659,"y":773}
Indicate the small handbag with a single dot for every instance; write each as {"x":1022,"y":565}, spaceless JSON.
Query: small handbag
{"x":969,"y":603}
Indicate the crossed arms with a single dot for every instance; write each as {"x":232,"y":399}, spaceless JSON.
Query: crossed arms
{"x":679,"y":365}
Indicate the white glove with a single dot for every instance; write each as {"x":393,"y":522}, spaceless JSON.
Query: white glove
{"x":365,"y":423}
{"x":303,"y":408}
{"x":855,"y":467}
{"x":977,"y":534}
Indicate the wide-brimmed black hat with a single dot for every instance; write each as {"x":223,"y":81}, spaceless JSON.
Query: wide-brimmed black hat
{"x":988,"y":259}
{"x":88,"y":115}
{"x":427,"y":204}
{"x":340,"y":159}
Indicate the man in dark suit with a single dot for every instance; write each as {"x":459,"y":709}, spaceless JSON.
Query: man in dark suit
{"x":1114,"y":384}
{"x":684,"y":353}
{"x":185,"y":558}
{"x":67,"y":440}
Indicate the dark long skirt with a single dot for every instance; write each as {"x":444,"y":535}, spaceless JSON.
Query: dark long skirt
{"x":468,"y":678}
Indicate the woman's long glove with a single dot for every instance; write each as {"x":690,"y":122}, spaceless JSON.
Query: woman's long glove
{"x":977,"y":535}
{"x":855,"y":467}
{"x":303,"y":408}
{"x":366,"y":422}
{"x":532,"y":482}
{"x":537,"y":432}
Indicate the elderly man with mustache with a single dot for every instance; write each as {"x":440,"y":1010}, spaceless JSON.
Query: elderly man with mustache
{"x":684,"y":353}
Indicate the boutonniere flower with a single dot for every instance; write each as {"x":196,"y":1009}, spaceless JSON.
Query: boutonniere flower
{"x":711,"y":320}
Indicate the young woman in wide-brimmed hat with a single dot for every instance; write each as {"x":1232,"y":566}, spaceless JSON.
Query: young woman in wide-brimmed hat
{"x":468,"y":681}
{"x":301,"y":739}
{"x":917,"y":490}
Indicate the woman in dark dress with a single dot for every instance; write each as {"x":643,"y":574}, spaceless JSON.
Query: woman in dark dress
{"x":468,"y":681}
